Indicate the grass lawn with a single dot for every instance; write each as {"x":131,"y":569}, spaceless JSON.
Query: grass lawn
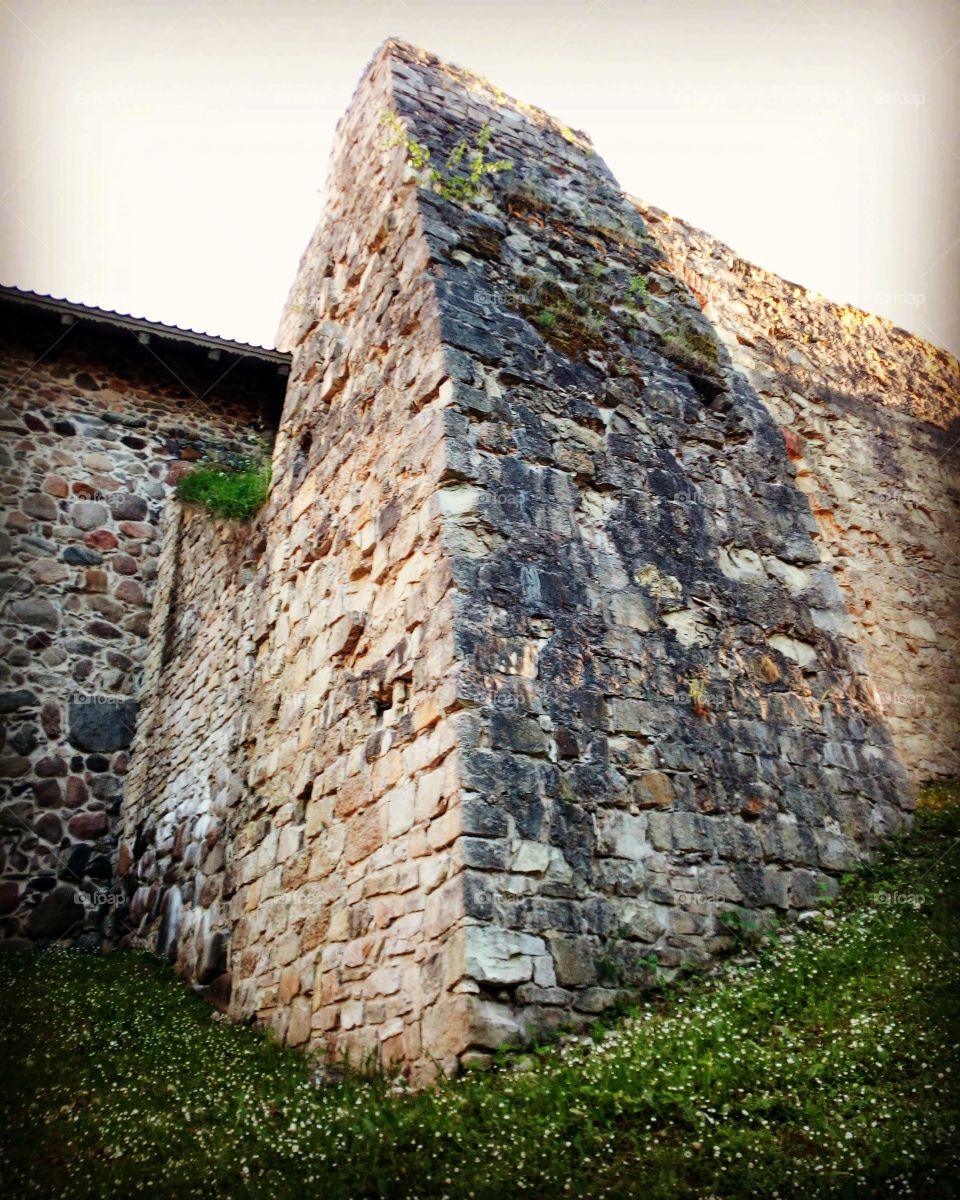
{"x":828,"y":1068}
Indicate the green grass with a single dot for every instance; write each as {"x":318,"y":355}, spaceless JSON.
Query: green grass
{"x":827,"y":1068}
{"x":637,"y":289}
{"x":225,"y":492}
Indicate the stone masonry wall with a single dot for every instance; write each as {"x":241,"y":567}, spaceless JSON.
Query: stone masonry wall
{"x":186,"y":786}
{"x":665,"y":713}
{"x":95,"y":429}
{"x":340,"y":889}
{"x":871,"y":415}
{"x":345,"y":914}
{"x":548,"y":674}
{"x":567,"y":629}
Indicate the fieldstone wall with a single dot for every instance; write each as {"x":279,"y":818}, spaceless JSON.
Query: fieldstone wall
{"x":871,"y":417}
{"x":541,"y":673}
{"x":96,"y":428}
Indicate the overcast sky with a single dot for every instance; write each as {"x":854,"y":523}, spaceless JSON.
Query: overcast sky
{"x":167,"y":157}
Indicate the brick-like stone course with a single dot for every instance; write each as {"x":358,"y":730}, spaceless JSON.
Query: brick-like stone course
{"x":344,"y":914}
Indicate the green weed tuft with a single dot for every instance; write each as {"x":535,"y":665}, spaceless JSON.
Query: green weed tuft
{"x":461,"y":176}
{"x":237,"y":492}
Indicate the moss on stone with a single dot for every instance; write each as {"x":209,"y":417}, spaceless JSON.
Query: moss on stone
{"x":691,"y":348}
{"x":573,"y":322}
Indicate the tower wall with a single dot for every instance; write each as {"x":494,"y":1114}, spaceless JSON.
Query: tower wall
{"x":665,"y":715}
{"x":546,"y":674}
{"x":345,"y":904}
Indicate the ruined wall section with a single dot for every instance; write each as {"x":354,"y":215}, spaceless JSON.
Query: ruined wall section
{"x":96,"y":428}
{"x":871,"y":415}
{"x":346,"y":911}
{"x":666,"y":716}
{"x":186,"y":787}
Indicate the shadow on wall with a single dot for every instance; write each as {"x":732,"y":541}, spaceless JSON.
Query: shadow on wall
{"x":870,"y":416}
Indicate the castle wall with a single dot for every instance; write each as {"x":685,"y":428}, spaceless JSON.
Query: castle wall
{"x":546,"y":674}
{"x":344,"y":905}
{"x":186,"y":788}
{"x":95,"y":429}
{"x":348,"y":912}
{"x":870,"y":414}
{"x":666,"y":716}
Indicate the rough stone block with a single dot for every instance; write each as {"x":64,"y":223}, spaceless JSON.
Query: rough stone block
{"x":102,"y":723}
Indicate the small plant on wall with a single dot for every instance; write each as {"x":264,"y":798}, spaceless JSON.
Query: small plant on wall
{"x":698,"y":698}
{"x":235,"y":488}
{"x":636,"y":291}
{"x":461,"y":176}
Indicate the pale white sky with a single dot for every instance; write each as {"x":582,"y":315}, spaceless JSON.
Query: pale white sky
{"x":166,"y":157}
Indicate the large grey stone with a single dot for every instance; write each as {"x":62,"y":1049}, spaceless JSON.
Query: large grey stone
{"x":37,"y":612}
{"x":102,"y":723}
{"x":57,"y":914}
{"x":125,"y":506}
{"x":501,"y":955}
{"x":88,"y":514}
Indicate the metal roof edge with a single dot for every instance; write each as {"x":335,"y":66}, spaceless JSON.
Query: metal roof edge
{"x":139,"y":325}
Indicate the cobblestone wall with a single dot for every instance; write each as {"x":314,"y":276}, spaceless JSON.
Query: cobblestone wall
{"x":871,"y":416}
{"x":95,"y":428}
{"x":186,"y":790}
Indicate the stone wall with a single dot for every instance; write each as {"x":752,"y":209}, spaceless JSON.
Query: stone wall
{"x":870,"y":415}
{"x":665,"y":716}
{"x":96,"y":428}
{"x":186,"y":787}
{"x":545,"y":670}
{"x":342,"y":918}
{"x":345,"y":926}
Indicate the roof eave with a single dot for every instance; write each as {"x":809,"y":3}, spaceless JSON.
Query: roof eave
{"x":70,"y":310}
